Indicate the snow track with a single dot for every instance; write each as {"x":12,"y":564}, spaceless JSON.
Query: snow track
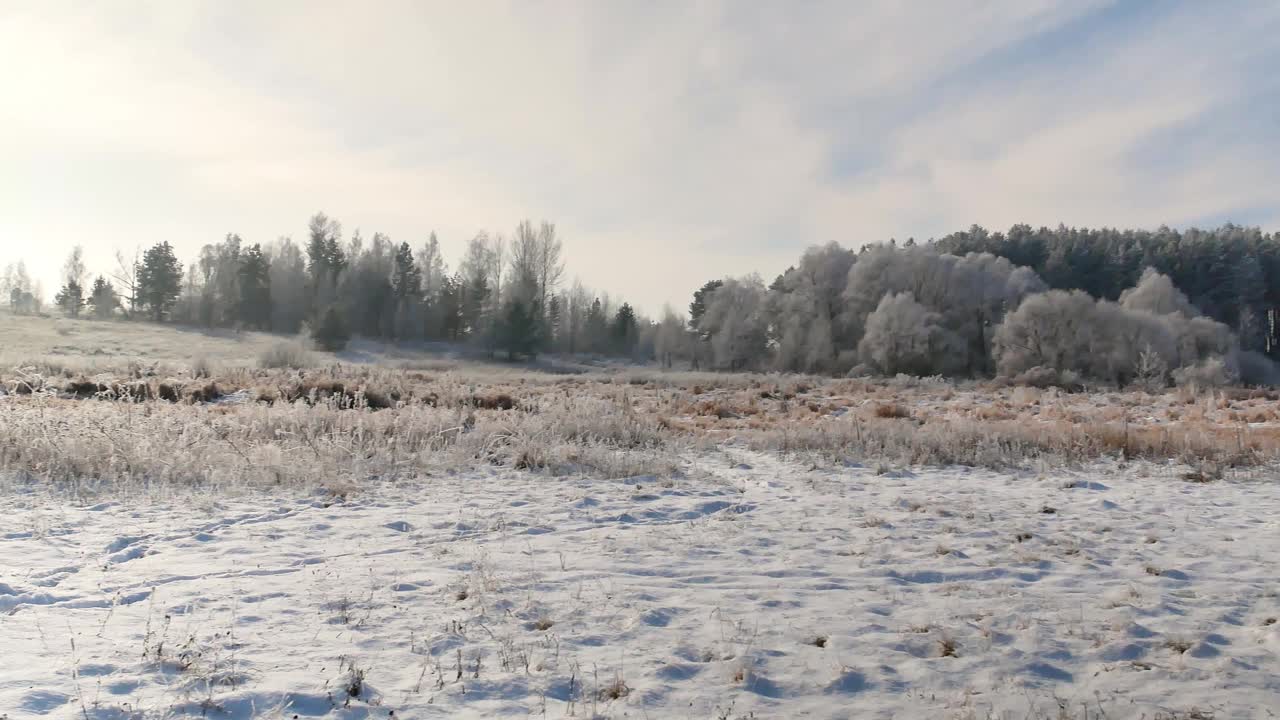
{"x":753,"y":585}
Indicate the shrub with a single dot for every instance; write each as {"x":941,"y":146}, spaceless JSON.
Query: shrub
{"x":285,"y":354}
{"x":1210,"y":373}
{"x":201,"y":367}
{"x":1043,"y":377}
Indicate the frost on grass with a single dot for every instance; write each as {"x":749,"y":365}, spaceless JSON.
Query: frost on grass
{"x":138,"y":426}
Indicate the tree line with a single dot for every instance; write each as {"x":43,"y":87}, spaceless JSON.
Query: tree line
{"x":506,"y":294}
{"x":1116,"y":306}
{"x":1044,"y":305}
{"x":1230,"y":274}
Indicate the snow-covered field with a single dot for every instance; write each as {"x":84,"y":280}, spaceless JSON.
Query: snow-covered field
{"x":746,"y":587}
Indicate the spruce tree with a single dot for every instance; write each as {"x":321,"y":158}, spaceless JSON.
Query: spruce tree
{"x":519,"y":334}
{"x":159,"y":280}
{"x":454,"y":317}
{"x":253,"y":308}
{"x":625,"y":330}
{"x":70,"y":298}
{"x":103,"y":299}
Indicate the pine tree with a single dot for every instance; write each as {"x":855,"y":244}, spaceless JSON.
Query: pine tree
{"x":454,"y":318}
{"x":406,"y":291}
{"x":103,"y":299}
{"x":320,"y":231}
{"x":597,"y":328}
{"x":159,"y":280}
{"x":406,"y":278}
{"x":519,"y":334}
{"x":253,"y":308}
{"x":625,"y":330}
{"x":325,"y":260}
{"x":70,"y":298}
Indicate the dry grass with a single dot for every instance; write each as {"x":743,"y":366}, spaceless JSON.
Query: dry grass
{"x":892,"y":410}
{"x":88,"y":421}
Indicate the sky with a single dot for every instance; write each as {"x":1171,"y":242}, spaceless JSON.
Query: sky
{"x":670,"y":142}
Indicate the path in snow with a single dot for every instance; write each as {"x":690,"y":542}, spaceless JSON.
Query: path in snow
{"x":752,"y":586}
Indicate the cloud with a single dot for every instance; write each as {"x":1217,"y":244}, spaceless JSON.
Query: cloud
{"x":670,"y":142}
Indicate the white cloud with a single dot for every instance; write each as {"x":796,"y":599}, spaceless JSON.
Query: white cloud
{"x":670,"y":142}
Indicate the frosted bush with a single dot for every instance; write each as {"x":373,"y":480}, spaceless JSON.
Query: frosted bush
{"x":289,"y":354}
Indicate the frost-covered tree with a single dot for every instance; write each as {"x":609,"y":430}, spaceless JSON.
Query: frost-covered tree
{"x":126,"y":273}
{"x":71,"y":296}
{"x":1117,"y":343}
{"x":536,"y":268}
{"x":971,"y":294}
{"x":903,"y":336}
{"x":290,"y":287}
{"x":1050,"y":330}
{"x":326,"y":261}
{"x":806,"y":311}
{"x":480,"y":289}
{"x":735,"y":319}
{"x":578,"y":302}
{"x":19,"y":290}
{"x":365,"y":291}
{"x":1156,"y":294}
{"x":698,"y":307}
{"x":1230,"y":273}
{"x":672,"y":338}
{"x":430,"y":261}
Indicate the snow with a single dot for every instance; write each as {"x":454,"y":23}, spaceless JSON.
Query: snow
{"x":750,"y":586}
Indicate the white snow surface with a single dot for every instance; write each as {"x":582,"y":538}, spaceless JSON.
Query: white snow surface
{"x":750,"y":587}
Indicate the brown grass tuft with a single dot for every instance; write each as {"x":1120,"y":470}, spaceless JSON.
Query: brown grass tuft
{"x":500,"y":401}
{"x":891,"y":410}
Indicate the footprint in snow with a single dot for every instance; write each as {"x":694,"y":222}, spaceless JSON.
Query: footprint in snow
{"x":42,"y":702}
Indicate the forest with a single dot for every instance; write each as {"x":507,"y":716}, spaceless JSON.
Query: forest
{"x":1035,"y":306}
